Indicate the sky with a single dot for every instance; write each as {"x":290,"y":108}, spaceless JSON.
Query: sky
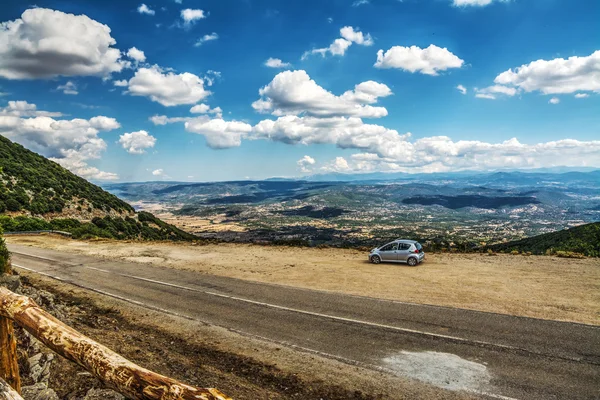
{"x":208,"y":90}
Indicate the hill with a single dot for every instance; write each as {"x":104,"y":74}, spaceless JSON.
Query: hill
{"x":583,"y":239}
{"x":39,"y":194}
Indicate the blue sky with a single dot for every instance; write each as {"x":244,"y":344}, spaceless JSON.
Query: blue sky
{"x":352,"y":86}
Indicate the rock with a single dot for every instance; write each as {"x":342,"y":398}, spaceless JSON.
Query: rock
{"x":103,"y":394}
{"x":39,"y":367}
{"x":11,"y":282}
{"x":39,"y":391}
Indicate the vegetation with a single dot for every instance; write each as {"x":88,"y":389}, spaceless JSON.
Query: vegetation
{"x":33,"y":183}
{"x":145,"y":227}
{"x":4,"y":255}
{"x":572,"y":243}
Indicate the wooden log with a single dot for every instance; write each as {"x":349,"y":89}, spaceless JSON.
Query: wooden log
{"x":8,"y":393}
{"x":111,"y":368}
{"x":9,"y":366}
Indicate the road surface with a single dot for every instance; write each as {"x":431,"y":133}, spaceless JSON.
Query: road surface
{"x":493,"y":355}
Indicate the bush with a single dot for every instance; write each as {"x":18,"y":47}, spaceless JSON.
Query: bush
{"x":4,"y":255}
{"x":514,"y":252}
{"x":569,"y":254}
{"x":13,"y":205}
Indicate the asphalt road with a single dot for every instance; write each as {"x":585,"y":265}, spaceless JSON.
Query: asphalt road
{"x":494,"y":355}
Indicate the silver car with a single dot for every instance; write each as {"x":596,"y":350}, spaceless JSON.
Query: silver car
{"x":400,"y":250}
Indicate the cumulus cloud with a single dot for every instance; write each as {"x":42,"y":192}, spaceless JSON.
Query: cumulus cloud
{"x":219,"y":134}
{"x":163,"y":119}
{"x":413,"y":59}
{"x":440,"y":154}
{"x":305,"y":164}
{"x":557,"y":76}
{"x":45,"y":43}
{"x":190,"y":16}
{"x":24,"y":109}
{"x":144,"y":9}
{"x":121,"y":83}
{"x":554,"y":100}
{"x":276,"y":63}
{"x":491,"y":92}
{"x":68,"y":88}
{"x":206,"y":38}
{"x":339,"y":46}
{"x":461,"y":89}
{"x":205,"y":109}
{"x":581,"y":95}
{"x":70,"y":143}
{"x":136,"y":55}
{"x":294,"y":93}
{"x":167,"y":88}
{"x":466,"y":3}
{"x":159,"y":173}
{"x":137,"y":142}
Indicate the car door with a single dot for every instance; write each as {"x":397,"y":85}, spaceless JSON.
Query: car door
{"x":403,"y":252}
{"x":389,"y":252}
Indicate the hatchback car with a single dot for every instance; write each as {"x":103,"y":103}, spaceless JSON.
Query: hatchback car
{"x":401,"y":251}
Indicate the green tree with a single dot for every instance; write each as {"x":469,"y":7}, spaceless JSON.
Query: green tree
{"x":13,"y":205}
{"x":4,"y":255}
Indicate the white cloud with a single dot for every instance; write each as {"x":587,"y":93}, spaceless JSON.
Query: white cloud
{"x":554,"y":100}
{"x":159,"y":172}
{"x":491,"y":92}
{"x":211,"y":76}
{"x":439,"y":154}
{"x":121,"y":83}
{"x":45,"y":43}
{"x":464,"y":3}
{"x":144,"y":9}
{"x":461,"y":89}
{"x":340,"y":45}
{"x":68,"y":88}
{"x":293,"y":92}
{"x":136,"y":55}
{"x":163,"y":119}
{"x":137,"y":142}
{"x":345,"y":133}
{"x":339,"y":164}
{"x":581,"y":95}
{"x":358,"y":3}
{"x":305,"y":164}
{"x":276,"y":63}
{"x":413,"y":59}
{"x":68,"y":142}
{"x":190,"y":16}
{"x":219,"y":134}
{"x":206,"y":38}
{"x":24,"y":109}
{"x":205,"y":109}
{"x":557,"y":76}
{"x":168,"y":89}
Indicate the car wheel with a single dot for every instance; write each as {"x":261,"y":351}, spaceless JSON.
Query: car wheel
{"x":412,"y":262}
{"x":375,"y":259}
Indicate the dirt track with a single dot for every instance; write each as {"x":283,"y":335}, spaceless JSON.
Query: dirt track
{"x":542,"y":287}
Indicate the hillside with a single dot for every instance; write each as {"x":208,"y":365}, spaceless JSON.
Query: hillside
{"x":39,"y":194}
{"x":584,"y":239}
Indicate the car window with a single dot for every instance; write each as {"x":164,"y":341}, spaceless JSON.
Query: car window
{"x":404,"y":246}
{"x":419,"y":247}
{"x":390,"y":247}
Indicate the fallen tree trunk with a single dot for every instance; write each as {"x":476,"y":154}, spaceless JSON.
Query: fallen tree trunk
{"x":8,"y":393}
{"x":111,"y":368}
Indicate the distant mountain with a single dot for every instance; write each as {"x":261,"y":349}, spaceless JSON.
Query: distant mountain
{"x":38,"y":194}
{"x":584,"y":239}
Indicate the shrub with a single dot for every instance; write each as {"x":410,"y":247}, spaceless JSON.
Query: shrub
{"x":514,"y":252}
{"x":4,"y":255}
{"x":13,"y":205}
{"x":569,"y":254}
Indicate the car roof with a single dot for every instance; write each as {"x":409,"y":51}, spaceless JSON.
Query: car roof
{"x":405,"y":241}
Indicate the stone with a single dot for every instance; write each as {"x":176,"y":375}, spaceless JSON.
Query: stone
{"x":103,"y":394}
{"x":11,"y":282}
{"x":39,"y":391}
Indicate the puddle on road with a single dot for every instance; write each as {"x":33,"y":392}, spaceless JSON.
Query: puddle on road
{"x":443,"y":370}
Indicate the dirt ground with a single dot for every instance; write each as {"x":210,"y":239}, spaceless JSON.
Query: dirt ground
{"x":533,"y":286}
{"x":243,"y":367}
